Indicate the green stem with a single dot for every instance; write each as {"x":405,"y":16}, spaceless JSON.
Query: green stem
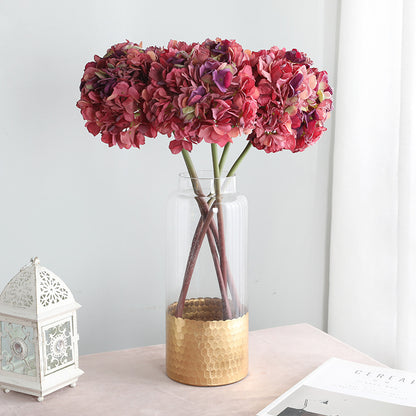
{"x":239,"y":160}
{"x":220,"y":217}
{"x":192,"y":172}
{"x":224,"y":156}
{"x":215,"y":168}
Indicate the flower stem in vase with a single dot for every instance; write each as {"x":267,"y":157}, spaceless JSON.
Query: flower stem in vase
{"x":193,"y":255}
{"x":220,"y":218}
{"x":205,"y":225}
{"x":215,"y":234}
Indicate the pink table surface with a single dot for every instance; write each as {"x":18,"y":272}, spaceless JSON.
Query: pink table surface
{"x":133,"y":382}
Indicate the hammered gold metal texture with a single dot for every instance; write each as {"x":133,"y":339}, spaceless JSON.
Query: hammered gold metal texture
{"x":201,"y":348}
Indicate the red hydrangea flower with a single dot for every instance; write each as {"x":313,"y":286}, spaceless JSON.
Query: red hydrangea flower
{"x":212,"y":92}
{"x":111,"y":90}
{"x":294,"y":100}
{"x":201,"y":92}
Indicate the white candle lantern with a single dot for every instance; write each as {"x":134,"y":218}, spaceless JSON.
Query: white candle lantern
{"x":38,"y":333}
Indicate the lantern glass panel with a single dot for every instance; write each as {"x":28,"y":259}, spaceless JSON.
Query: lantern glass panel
{"x":18,"y":349}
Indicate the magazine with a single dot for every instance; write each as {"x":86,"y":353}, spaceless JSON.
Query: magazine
{"x":345,"y":388}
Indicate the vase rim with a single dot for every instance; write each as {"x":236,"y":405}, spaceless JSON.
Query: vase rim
{"x":205,"y":181}
{"x":203,"y":174}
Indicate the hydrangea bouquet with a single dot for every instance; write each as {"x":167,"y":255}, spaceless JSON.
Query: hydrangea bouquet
{"x":210,"y":92}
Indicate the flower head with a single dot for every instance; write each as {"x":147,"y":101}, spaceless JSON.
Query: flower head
{"x":201,"y":92}
{"x":111,"y":90}
{"x":212,"y":91}
{"x":294,"y":100}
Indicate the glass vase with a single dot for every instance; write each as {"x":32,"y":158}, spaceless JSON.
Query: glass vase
{"x":207,"y":316}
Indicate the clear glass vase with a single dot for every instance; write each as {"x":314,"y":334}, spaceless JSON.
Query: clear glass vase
{"x":207,"y":317}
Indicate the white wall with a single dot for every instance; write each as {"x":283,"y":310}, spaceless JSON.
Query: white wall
{"x":95,"y":216}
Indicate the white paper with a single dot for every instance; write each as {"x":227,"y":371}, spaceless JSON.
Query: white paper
{"x":345,"y":388}
{"x":376,"y":383}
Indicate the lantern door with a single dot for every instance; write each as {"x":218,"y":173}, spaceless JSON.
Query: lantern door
{"x":58,"y":345}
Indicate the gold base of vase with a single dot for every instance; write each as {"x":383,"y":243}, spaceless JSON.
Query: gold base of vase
{"x":201,"y":348}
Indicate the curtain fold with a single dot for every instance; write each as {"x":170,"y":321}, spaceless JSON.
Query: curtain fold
{"x":406,"y":285}
{"x":372,"y":283}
